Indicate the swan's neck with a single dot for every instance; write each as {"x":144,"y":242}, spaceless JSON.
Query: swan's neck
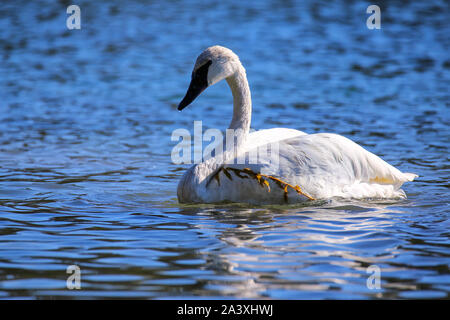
{"x":242,"y":101}
{"x":237,"y":133}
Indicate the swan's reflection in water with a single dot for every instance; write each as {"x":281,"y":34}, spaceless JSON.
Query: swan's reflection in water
{"x":300,"y":252}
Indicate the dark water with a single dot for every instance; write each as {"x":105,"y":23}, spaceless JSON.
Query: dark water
{"x":86,"y":176}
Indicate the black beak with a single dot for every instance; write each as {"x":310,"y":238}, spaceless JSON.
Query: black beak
{"x":199,"y":83}
{"x":195,"y":88}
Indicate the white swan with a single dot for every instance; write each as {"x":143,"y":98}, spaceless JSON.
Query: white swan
{"x":307,"y":166}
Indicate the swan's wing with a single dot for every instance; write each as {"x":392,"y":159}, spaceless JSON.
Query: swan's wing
{"x":329,"y":164}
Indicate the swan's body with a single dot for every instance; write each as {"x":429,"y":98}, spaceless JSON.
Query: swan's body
{"x":323,"y":165}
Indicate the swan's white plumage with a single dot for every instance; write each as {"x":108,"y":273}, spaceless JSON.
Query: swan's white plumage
{"x":324,"y":165}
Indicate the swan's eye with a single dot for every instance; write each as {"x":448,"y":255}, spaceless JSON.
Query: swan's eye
{"x":201,"y":74}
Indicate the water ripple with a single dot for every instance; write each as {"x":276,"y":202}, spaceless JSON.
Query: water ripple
{"x":86,"y":177}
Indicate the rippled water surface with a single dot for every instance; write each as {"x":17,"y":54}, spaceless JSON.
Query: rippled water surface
{"x":86,"y":176}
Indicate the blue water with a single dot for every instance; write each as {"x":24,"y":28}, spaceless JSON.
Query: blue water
{"x":86,"y":176}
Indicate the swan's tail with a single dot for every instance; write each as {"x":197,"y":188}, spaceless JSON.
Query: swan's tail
{"x":410,"y":176}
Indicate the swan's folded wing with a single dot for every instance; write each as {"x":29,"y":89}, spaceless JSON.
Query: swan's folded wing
{"x":339,"y":159}
{"x":321,"y":165}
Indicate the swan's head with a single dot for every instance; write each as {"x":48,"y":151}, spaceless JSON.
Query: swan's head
{"x":212,"y":65}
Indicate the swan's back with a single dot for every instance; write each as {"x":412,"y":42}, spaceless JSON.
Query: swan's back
{"x":329,"y":165}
